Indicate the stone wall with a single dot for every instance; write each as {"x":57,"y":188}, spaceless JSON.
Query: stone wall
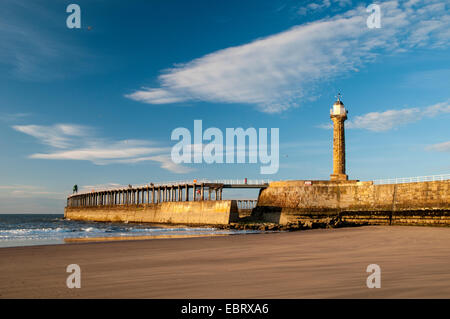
{"x":409,"y":203}
{"x":220,"y":212}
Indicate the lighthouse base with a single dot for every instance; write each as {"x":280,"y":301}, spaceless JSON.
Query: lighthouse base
{"x":339,"y":177}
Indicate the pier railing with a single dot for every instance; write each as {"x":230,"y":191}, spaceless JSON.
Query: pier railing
{"x":430,"y":178}
{"x":226,"y":184}
{"x":246,"y":203}
{"x":160,"y":192}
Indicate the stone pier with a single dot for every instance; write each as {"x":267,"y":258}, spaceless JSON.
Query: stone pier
{"x":217,"y":212}
{"x":420,"y":203}
{"x":196,"y":203}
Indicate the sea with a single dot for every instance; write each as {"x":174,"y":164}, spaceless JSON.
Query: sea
{"x":49,"y":229}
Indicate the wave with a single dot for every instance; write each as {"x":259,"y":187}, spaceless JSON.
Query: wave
{"x":59,"y":229}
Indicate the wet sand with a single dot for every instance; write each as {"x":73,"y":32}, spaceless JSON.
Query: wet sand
{"x":121,"y":238}
{"x":322,"y":263}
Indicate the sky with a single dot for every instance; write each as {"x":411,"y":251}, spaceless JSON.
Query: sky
{"x":95,"y":106}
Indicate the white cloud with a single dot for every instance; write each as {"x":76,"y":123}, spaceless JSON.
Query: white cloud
{"x":437,"y":109}
{"x":97,"y":154}
{"x":58,"y":135}
{"x":155,"y":96}
{"x":387,"y":120}
{"x":441,"y":147}
{"x":28,"y":191}
{"x":279,"y":71}
{"x":75,"y":142}
{"x":321,"y":5}
{"x":167,"y":163}
{"x":384,"y":121}
{"x":316,"y":6}
{"x":325,"y":126}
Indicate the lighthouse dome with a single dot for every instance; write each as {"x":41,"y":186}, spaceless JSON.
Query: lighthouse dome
{"x":338,"y":108}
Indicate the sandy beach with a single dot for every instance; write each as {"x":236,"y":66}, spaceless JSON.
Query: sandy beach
{"x":322,"y":263}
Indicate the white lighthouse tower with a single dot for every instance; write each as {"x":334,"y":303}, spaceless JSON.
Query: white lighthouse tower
{"x":338,"y":115}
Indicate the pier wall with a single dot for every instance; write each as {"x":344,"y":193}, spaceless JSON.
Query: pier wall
{"x":220,"y":212}
{"x":421,"y":203}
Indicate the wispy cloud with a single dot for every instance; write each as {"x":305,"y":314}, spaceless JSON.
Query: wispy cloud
{"x":440,"y":147}
{"x":11,"y":117}
{"x":9,"y":187}
{"x":100,"y":153}
{"x":76,"y":142}
{"x":25,"y":191}
{"x":390,"y":119}
{"x":167,"y":163}
{"x":276,"y":72}
{"x":321,"y":5}
{"x":59,"y":135}
{"x":385,"y":121}
{"x":35,"y":44}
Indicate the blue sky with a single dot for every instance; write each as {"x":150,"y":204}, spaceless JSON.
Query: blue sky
{"x":96,"y":106}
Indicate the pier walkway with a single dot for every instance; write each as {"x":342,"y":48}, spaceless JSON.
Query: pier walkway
{"x":162,"y":192}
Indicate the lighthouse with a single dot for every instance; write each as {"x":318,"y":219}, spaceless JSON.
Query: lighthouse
{"x":338,"y":115}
